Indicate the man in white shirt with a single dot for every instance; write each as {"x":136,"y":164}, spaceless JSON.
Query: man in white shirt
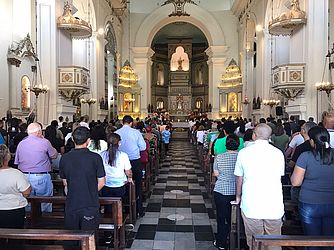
{"x":328,"y":122}
{"x":132,"y":143}
{"x":259,"y":187}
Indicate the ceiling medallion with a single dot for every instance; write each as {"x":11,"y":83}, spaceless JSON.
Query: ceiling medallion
{"x":179,"y":7}
{"x":288,"y":21}
{"x":77,"y":27}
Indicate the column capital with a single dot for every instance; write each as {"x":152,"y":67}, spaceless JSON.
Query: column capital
{"x":142,"y":52}
{"x":216,"y":51}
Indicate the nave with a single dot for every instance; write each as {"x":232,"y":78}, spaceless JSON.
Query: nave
{"x":179,"y":213}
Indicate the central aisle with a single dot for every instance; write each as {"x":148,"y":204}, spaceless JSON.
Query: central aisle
{"x":179,"y":192}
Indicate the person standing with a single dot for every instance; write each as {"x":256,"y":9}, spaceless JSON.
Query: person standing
{"x":83,"y":176}
{"x":14,"y":189}
{"x":224,"y":190}
{"x":33,"y":157}
{"x":314,"y":172}
{"x":259,"y":187}
{"x":165,"y":138}
{"x":132,"y":143}
{"x":118,"y":173}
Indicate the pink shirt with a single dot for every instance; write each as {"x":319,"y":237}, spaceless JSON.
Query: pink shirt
{"x":34,"y":154}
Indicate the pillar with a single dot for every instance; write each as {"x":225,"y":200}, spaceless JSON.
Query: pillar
{"x":216,"y":63}
{"x":142,"y":65}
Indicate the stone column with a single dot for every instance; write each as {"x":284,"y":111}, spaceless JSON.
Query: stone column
{"x":217,"y":64}
{"x":142,"y":65}
{"x":315,"y":52}
{"x":46,"y":50}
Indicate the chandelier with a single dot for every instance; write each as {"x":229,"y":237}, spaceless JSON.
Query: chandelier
{"x":271,"y":102}
{"x":127,"y":76}
{"x":179,"y":7}
{"x":327,"y":86}
{"x":77,"y":27}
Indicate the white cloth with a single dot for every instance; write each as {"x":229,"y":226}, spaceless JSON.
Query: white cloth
{"x":331,"y":134}
{"x":200,"y":136}
{"x":191,"y":124}
{"x":261,"y":166}
{"x":296,"y":141}
{"x":103,"y":147}
{"x":67,"y":137}
{"x":13,"y":183}
{"x":115,"y":175}
{"x":84,"y":124}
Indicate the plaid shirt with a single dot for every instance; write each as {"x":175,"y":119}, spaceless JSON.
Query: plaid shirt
{"x":225,"y":164}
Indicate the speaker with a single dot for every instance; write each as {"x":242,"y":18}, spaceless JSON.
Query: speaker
{"x":279,"y":111}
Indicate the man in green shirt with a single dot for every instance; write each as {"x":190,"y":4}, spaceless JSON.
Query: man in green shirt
{"x":220,"y":144}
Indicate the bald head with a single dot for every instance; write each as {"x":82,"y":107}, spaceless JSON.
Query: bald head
{"x":262,"y":132}
{"x":34,"y":129}
{"x":329,"y":121}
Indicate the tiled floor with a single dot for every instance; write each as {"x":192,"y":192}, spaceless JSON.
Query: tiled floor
{"x":179,"y":193}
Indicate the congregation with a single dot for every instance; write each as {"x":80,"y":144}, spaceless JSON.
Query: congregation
{"x":250,"y":161}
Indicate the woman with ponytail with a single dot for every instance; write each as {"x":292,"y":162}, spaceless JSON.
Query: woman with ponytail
{"x":14,"y":189}
{"x":118,"y":173}
{"x":314,"y":172}
{"x":117,"y":167}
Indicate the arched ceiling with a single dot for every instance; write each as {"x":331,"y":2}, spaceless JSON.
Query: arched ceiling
{"x":179,"y":30}
{"x":147,"y":6}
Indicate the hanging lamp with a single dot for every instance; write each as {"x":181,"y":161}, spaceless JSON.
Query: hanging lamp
{"x":78,"y":28}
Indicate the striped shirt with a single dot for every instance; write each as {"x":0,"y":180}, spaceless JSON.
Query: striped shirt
{"x":225,"y":164}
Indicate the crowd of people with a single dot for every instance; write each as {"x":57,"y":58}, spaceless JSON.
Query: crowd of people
{"x":251,"y":162}
{"x":93,"y":159}
{"x":249,"y":159}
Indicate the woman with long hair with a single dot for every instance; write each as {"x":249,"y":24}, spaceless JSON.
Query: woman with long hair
{"x":314,"y":172}
{"x":14,"y":189}
{"x":97,"y":139}
{"x":117,"y":166}
{"x":118,"y":172}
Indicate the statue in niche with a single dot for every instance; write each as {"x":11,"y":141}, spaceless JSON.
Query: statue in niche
{"x":180,"y":61}
{"x":232,"y":102}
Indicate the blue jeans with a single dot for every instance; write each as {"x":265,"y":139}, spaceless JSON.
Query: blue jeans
{"x":317,"y":219}
{"x":41,"y":186}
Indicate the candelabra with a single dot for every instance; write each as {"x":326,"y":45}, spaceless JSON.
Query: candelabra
{"x":89,"y":101}
{"x":327,"y":86}
{"x":37,"y":89}
{"x":271,"y":102}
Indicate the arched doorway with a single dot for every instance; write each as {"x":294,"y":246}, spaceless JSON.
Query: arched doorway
{"x":180,"y":51}
{"x":216,"y":51}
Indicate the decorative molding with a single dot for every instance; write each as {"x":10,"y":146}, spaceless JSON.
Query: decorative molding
{"x":18,"y":50}
{"x":288,"y":80}
{"x":178,"y":7}
{"x":74,"y":81}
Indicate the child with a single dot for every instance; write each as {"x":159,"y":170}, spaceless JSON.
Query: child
{"x":165,"y":138}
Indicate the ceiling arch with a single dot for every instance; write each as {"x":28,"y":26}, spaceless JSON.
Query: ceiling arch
{"x":179,"y":30}
{"x":199,"y":17}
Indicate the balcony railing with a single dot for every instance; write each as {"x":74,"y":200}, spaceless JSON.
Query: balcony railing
{"x":288,"y":80}
{"x":74,"y":81}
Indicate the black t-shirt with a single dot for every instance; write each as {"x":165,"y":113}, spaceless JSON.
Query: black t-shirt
{"x":81,"y":168}
{"x":305,"y":146}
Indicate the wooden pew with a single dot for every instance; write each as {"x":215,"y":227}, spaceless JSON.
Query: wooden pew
{"x":86,"y":238}
{"x":128,"y":202}
{"x":291,"y":240}
{"x":37,"y":218}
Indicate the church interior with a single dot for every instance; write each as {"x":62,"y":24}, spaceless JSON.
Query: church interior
{"x":106,"y":59}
